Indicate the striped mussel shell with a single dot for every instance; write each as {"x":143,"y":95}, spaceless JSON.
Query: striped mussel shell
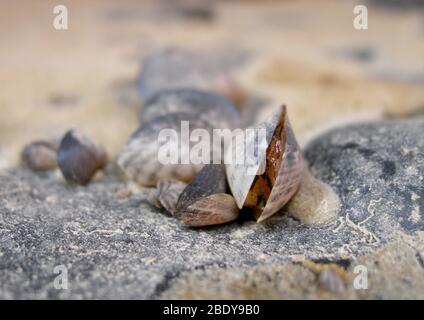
{"x":265,"y":184}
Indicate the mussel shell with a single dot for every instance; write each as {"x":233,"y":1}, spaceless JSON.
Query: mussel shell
{"x":241,"y":176}
{"x":212,"y":210}
{"x":210,"y":180}
{"x":40,"y":155}
{"x":139,"y":158}
{"x":206,"y":201}
{"x":169,"y":192}
{"x":288,"y":178}
{"x":218,"y":111}
{"x":79,"y":158}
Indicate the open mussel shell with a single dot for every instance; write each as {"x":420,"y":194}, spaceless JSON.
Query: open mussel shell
{"x":267,"y":182}
{"x":139,"y":159}
{"x":206,"y":201}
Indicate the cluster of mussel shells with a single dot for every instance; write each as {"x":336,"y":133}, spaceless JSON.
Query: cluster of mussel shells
{"x":211,"y":193}
{"x":75,"y":154}
{"x":196,"y":193}
{"x":174,"y":89}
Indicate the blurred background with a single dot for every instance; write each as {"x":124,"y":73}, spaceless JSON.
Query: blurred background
{"x":306,"y":54}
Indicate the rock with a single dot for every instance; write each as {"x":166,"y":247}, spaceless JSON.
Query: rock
{"x":104,"y":242}
{"x":394,"y":272}
{"x":130,"y":249}
{"x":377,"y":169}
{"x":329,"y":280}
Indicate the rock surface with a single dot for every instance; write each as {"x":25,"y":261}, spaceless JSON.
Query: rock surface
{"x":377,"y":169}
{"x":115,"y":245}
{"x":116,"y":248}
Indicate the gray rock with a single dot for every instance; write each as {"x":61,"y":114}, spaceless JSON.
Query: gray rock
{"x":115,"y":247}
{"x":378,"y":171}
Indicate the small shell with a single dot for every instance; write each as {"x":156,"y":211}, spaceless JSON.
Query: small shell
{"x":79,"y":158}
{"x":168,"y":192}
{"x":40,"y":155}
{"x":152,"y":197}
{"x":268,"y":192}
{"x":139,"y":158}
{"x":205,"y":201}
{"x":174,"y":68}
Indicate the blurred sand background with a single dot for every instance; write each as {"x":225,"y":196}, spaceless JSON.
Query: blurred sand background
{"x":303,"y":53}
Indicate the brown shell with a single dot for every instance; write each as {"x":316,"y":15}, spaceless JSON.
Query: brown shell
{"x":268,"y":192}
{"x":205,"y":201}
{"x":215,"y":209}
{"x":40,"y":155}
{"x":79,"y":158}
